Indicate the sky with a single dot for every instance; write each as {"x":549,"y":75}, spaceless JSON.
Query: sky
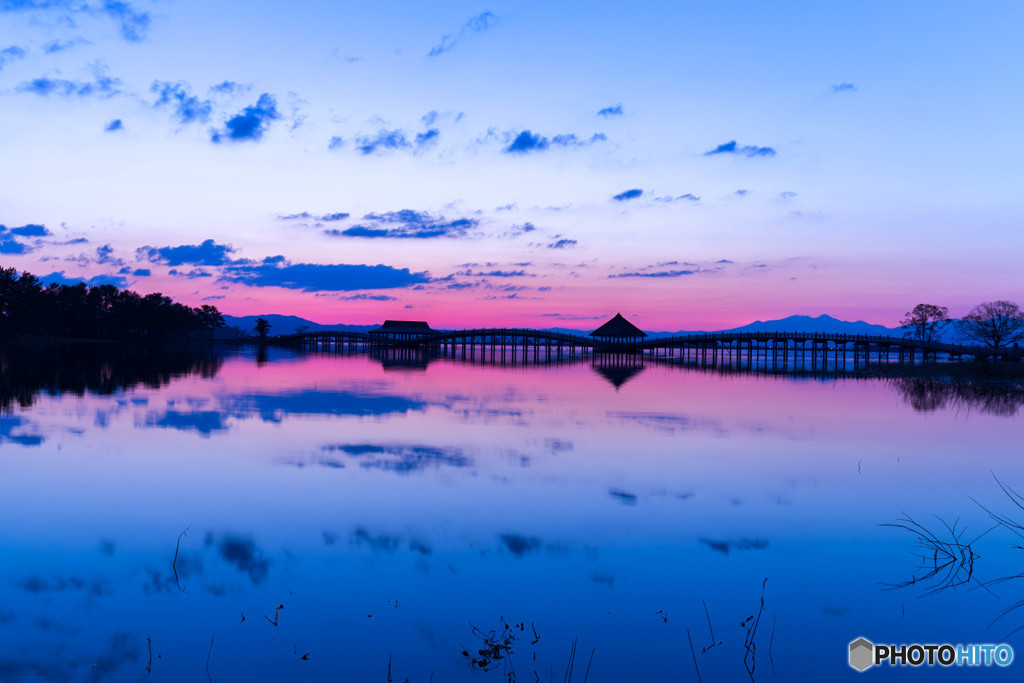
{"x":692,"y":165}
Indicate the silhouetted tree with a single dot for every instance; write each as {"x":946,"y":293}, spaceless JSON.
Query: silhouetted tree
{"x":926,"y":322}
{"x":262,"y":327}
{"x":993,"y":323}
{"x":101,"y":312}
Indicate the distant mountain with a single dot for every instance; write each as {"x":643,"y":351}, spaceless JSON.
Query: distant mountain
{"x":286,"y":324}
{"x":822,"y":323}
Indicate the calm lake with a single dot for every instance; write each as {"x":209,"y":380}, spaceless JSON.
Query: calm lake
{"x":158,"y":507}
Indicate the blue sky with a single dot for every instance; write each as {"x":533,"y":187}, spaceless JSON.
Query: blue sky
{"x":691,"y":164}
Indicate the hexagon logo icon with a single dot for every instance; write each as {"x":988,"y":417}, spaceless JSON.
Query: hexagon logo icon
{"x":862,"y":654}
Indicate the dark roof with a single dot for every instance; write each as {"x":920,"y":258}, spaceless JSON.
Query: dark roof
{"x":403,"y":327}
{"x":618,"y":328}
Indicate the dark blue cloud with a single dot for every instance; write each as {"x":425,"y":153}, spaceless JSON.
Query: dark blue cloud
{"x":30,"y":230}
{"x":191,"y":275}
{"x":105,"y":254}
{"x":10,"y":423}
{"x":142,"y":272}
{"x":844,"y":87}
{"x":209,"y":253}
{"x":59,"y":278}
{"x":9,"y":54}
{"x":528,"y":141}
{"x":205,"y":422}
{"x":101,"y":86}
{"x":114,"y":125}
{"x":494,"y":273}
{"x":787,"y":195}
{"x":307,"y":216}
{"x":635,"y":193}
{"x":611,"y":111}
{"x":384,"y":140}
{"x":669,"y":198}
{"x":746,"y":150}
{"x":249,"y":124}
{"x":9,"y":243}
{"x":562,"y":244}
{"x":407,"y":224}
{"x":314,"y":277}
{"x":477,"y":24}
{"x":667,"y":273}
{"x":134,"y":24}
{"x":428,"y":138}
{"x":335,"y":142}
{"x":187,"y":107}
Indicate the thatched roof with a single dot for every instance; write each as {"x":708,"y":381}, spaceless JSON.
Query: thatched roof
{"x":403,"y":327}
{"x":618,"y":328}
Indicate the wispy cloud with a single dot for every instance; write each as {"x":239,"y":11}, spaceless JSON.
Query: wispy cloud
{"x":188,"y":108}
{"x":527,"y":141}
{"x":478,"y":24}
{"x":10,"y":54}
{"x":101,"y":85}
{"x":741,"y":150}
{"x":609,"y":112}
{"x":407,"y":224}
{"x":844,"y":87}
{"x":635,"y":193}
{"x":133,"y":24}
{"x":114,"y":126}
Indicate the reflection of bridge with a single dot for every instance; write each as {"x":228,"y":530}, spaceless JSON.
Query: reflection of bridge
{"x":541,"y":345}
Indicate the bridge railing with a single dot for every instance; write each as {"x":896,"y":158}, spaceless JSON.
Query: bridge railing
{"x":532,"y":336}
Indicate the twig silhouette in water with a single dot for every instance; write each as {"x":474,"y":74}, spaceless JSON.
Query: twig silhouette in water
{"x":497,"y":649}
{"x":711,"y":630}
{"x":589,"y":662}
{"x":149,"y":644}
{"x":947,"y":563}
{"x":770,"y":641}
{"x":694,"y":655}
{"x":208,"y":660}
{"x":174,"y":562}
{"x":748,"y":643}
{"x":572,"y":660}
{"x":277,"y":613}
{"x":390,"y":680}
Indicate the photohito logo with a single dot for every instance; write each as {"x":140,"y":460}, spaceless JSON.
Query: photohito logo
{"x":864,"y":654}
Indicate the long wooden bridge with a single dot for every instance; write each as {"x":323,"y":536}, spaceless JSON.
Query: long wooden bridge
{"x":541,"y":345}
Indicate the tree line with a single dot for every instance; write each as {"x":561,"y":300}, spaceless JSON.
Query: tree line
{"x":27,"y":306}
{"x":997,"y":324}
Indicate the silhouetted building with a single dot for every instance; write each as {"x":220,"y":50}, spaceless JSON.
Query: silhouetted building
{"x":618,"y":329}
{"x":402,"y":330}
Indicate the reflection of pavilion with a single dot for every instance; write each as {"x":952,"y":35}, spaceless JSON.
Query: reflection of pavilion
{"x":619,"y":369}
{"x":618,"y":366}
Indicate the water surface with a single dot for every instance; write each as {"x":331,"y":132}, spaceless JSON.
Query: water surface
{"x":390,"y":507}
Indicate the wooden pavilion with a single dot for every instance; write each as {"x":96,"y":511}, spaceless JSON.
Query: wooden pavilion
{"x":618,"y":329}
{"x":401,"y":330}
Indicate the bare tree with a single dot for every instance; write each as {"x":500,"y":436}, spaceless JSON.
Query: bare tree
{"x":993,"y":323}
{"x":926,"y":322}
